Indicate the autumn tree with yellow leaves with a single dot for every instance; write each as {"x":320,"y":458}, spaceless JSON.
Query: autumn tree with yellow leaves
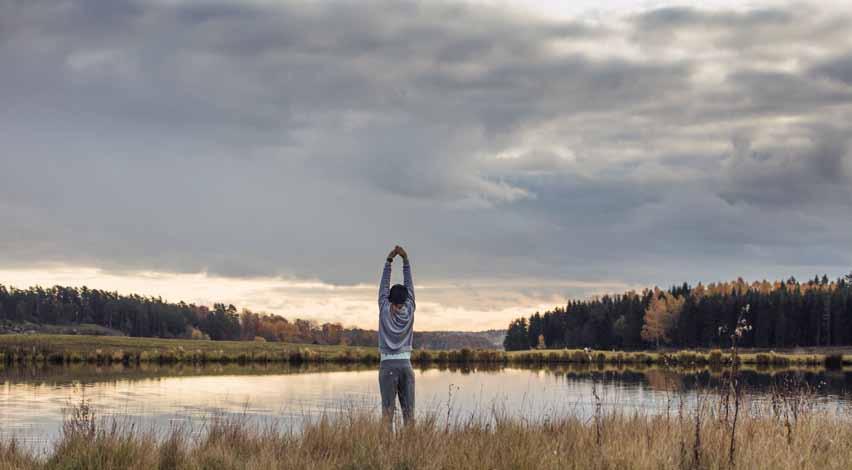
{"x":661,"y":317}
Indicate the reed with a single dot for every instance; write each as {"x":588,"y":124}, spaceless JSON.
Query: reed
{"x":695,"y":438}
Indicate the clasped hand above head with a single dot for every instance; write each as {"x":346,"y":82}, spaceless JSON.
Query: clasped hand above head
{"x":398,"y":250}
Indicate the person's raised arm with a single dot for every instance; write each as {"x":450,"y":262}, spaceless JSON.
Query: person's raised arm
{"x":406,"y":273}
{"x":384,"y":284}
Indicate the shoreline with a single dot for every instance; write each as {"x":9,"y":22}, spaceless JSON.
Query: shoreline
{"x":73,"y":349}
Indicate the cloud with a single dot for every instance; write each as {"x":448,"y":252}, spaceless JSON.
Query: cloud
{"x":301,"y":140}
{"x":757,"y":31}
{"x":799,"y":169}
{"x":837,"y":68}
{"x":669,"y":18}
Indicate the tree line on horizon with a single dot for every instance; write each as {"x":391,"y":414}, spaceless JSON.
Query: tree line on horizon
{"x":780,"y":314}
{"x":140,"y":316}
{"x":136,"y":315}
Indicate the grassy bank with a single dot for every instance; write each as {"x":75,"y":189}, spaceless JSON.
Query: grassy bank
{"x":110,"y":350}
{"x":828,"y":358}
{"x":122,"y":349}
{"x":678,"y":440}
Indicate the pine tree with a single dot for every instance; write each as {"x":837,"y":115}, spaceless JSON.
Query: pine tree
{"x":517,"y":336}
{"x":535,"y":329}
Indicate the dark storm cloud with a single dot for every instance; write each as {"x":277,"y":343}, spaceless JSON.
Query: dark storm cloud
{"x":787,"y":175}
{"x":778,"y":93}
{"x":685,"y":17}
{"x":763,"y":35}
{"x":838,"y":68}
{"x":304,"y":138}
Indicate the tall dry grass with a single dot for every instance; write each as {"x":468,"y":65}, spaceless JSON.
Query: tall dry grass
{"x":786,"y":435}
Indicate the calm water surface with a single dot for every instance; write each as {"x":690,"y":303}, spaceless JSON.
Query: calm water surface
{"x":33,"y":401}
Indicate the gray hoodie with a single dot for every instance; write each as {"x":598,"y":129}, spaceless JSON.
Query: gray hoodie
{"x":396,"y":331}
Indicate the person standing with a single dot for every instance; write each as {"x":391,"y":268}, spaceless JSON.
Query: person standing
{"x":396,"y":330}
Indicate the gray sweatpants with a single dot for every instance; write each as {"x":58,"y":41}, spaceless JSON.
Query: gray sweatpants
{"x":396,"y":377}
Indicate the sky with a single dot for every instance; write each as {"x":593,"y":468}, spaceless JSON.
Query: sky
{"x":270,"y":154}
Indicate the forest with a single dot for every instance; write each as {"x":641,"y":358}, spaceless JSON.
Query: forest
{"x":779,"y":314}
{"x":139,"y":316}
{"x":136,"y":315}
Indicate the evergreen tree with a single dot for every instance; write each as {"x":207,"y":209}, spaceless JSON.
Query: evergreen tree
{"x":517,"y":336}
{"x":535,"y":328}
{"x":782,"y":314}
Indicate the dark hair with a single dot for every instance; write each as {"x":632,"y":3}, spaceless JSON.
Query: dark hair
{"x":398,"y":294}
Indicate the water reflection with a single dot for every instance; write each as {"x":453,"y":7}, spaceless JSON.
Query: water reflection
{"x":33,"y":398}
{"x":654,"y":376}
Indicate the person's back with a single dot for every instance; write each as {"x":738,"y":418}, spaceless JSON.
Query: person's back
{"x":396,"y":331}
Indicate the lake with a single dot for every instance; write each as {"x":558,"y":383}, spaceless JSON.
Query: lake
{"x":33,"y":400}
